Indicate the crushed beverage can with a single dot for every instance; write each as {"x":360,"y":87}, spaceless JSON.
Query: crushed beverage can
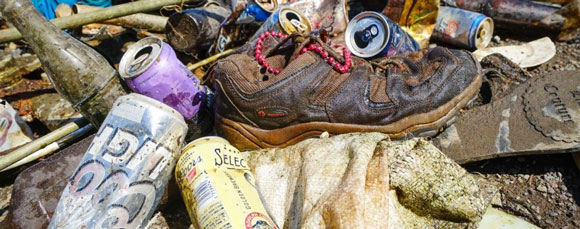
{"x":194,"y":30}
{"x":150,"y":67}
{"x":255,"y":10}
{"x":330,"y":15}
{"x":371,"y":34}
{"x":122,"y":176}
{"x":463,"y":28}
{"x":286,"y":20}
{"x":218,"y":187}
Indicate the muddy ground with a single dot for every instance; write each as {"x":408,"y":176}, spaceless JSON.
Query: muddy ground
{"x":544,"y":189}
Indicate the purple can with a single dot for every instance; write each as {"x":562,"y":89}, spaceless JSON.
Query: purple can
{"x":151,"y":68}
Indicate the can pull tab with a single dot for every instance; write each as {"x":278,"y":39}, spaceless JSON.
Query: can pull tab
{"x":363,"y":37}
{"x":299,"y":25}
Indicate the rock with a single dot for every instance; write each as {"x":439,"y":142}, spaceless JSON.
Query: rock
{"x":542,"y":188}
{"x":5,"y":193}
{"x":157,"y":222}
{"x":550,"y":190}
{"x":554,"y":214}
{"x":496,"y":39}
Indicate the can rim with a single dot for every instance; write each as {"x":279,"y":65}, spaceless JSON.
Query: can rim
{"x":206,"y":138}
{"x":484,"y":41}
{"x":350,"y":27}
{"x":128,"y":61}
{"x":262,"y":6}
{"x":285,"y":19}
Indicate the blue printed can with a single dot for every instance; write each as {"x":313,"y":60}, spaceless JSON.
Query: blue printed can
{"x":370,"y":34}
{"x":257,"y":11}
{"x":463,"y":28}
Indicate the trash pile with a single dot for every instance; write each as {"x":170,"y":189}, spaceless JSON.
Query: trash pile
{"x":276,"y":113}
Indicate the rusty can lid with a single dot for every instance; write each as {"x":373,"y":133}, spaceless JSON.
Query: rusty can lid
{"x":139,"y":57}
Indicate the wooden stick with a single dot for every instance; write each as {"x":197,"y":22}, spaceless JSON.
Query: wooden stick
{"x":104,"y":14}
{"x":208,"y":60}
{"x":31,"y":147}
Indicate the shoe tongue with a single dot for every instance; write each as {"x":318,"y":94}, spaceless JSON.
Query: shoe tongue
{"x":278,"y":57}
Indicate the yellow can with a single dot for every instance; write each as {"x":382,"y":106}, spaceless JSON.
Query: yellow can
{"x":218,"y":186}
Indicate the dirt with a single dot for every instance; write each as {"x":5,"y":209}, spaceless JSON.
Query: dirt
{"x":544,"y":189}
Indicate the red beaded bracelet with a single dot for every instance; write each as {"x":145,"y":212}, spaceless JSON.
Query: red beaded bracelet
{"x":342,"y":68}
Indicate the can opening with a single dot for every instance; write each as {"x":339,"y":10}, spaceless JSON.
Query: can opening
{"x":296,"y":21}
{"x":363,"y":38}
{"x":140,"y":58}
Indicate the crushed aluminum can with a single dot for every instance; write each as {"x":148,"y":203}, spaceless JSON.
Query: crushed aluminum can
{"x":463,"y":28}
{"x":286,"y":20}
{"x":13,"y":130}
{"x":370,"y":34}
{"x":120,"y":180}
{"x":194,"y":30}
{"x":218,"y":187}
{"x":330,"y":15}
{"x":256,"y":10}
{"x":150,"y":67}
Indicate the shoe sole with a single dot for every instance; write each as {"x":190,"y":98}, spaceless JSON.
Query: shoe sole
{"x":246,"y":137}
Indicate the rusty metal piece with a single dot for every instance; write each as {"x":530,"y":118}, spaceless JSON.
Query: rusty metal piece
{"x":79,"y":73}
{"x":52,"y":110}
{"x":539,"y":117}
{"x":502,"y":75}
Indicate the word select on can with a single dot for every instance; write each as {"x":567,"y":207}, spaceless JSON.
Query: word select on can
{"x":122,"y":176}
{"x":218,"y":187}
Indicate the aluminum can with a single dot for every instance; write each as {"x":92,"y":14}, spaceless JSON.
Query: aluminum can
{"x":150,"y":67}
{"x":330,"y":15}
{"x":195,"y":30}
{"x":463,"y":28}
{"x":371,"y":34}
{"x":286,"y":20}
{"x":256,"y":10}
{"x":218,"y":186}
{"x":122,"y":176}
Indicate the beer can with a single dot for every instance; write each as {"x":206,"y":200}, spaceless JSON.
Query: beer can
{"x":330,"y":15}
{"x":218,"y":187}
{"x":256,"y":10}
{"x":286,"y":20}
{"x":463,"y":28}
{"x":123,"y":174}
{"x":194,"y":30}
{"x":371,"y":34}
{"x":150,"y":67}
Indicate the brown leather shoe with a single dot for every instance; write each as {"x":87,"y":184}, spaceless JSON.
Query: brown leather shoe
{"x":418,"y":93}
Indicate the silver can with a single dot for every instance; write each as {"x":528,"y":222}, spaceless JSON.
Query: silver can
{"x":370,"y":34}
{"x":122,"y":176}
